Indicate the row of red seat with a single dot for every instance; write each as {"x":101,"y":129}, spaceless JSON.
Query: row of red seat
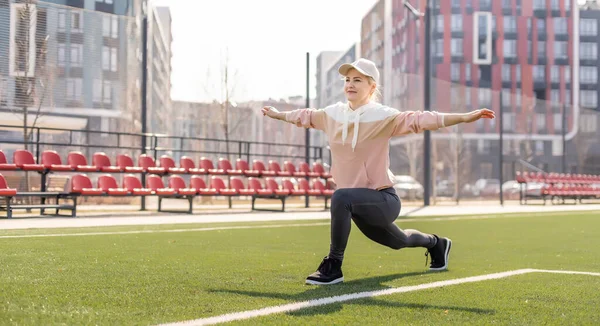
{"x":571,"y":191}
{"x":81,"y":184}
{"x":554,"y":178}
{"x":77,"y":162}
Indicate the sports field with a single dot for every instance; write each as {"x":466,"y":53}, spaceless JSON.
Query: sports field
{"x":503,"y":269}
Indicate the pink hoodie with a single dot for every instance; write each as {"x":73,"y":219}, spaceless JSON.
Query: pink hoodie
{"x":363,"y":161}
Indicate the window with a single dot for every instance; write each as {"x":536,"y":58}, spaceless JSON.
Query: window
{"x":110,"y":26}
{"x":456,"y":45}
{"x":557,"y":121}
{"x":23,"y":23}
{"x":505,"y":97}
{"x":588,"y":50}
{"x":485,"y":96}
{"x":568,"y":74}
{"x":109,"y":2}
{"x":456,"y":23}
{"x":483,"y":146}
{"x":62,"y":20}
{"x":560,"y":49}
{"x":567,"y":4}
{"x":539,"y":73}
{"x":541,"y":25}
{"x":455,"y":72}
{"x":588,"y":27}
{"x":439,"y":23}
{"x":62,"y":50}
{"x":518,"y":97}
{"x":74,"y":89}
{"x":510,"y":48}
{"x":76,"y":55}
{"x":505,"y":72}
{"x":555,"y":96}
{"x":439,"y":47}
{"x":588,"y":75}
{"x":455,"y":3}
{"x":539,"y":147}
{"x":540,"y":119}
{"x":539,"y":4}
{"x":567,"y":97}
{"x":467,"y":72}
{"x":589,"y":98}
{"x":76,"y":21}
{"x":554,"y":74}
{"x":506,"y":4}
{"x":560,"y":25}
{"x":518,"y":77}
{"x":541,"y":49}
{"x":509,"y":121}
{"x":107,"y":92}
{"x":510,"y":24}
{"x":554,"y":4}
{"x":109,"y":58}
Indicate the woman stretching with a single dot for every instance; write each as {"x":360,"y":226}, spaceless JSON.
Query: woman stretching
{"x":358,"y":133}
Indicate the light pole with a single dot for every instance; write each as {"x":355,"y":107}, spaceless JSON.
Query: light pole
{"x":426,"y":95}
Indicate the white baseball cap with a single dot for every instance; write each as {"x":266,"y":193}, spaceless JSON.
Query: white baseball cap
{"x":364,"y":66}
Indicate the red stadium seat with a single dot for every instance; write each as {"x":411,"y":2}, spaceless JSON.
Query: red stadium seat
{"x":218,"y":184}
{"x":134,"y":186}
{"x":198,"y":183}
{"x":125,"y":163}
{"x":274,"y":166}
{"x":169,"y":164}
{"x":188,"y":165}
{"x":303,"y":167}
{"x":225,"y":165}
{"x":81,"y":184}
{"x":254,"y":183}
{"x":318,"y":185}
{"x":4,"y":165}
{"x":148,"y":164}
{"x":241,"y":164}
{"x":236,"y":185}
{"x":102,"y":162}
{"x":79,"y":163}
{"x":318,"y":168}
{"x":155,"y":183}
{"x":207,"y":164}
{"x":272,"y":185}
{"x":287,"y":184}
{"x":289,"y":167}
{"x":108,"y":184}
{"x":4,"y":189}
{"x":176,"y":182}
{"x":258,"y":165}
{"x":52,"y":161}
{"x":25,"y":161}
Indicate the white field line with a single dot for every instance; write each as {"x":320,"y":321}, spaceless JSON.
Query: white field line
{"x":401,"y":220}
{"x":360,"y":295}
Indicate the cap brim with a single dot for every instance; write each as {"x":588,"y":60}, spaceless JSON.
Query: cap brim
{"x":343,"y":69}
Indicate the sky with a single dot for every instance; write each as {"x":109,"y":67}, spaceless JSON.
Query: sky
{"x":266,"y":42}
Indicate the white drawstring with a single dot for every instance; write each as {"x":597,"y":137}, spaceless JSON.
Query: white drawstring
{"x":347,"y":113}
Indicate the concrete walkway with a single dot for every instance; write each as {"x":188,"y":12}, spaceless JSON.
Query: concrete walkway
{"x":244,"y":215}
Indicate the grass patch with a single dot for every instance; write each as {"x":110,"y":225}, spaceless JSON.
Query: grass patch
{"x":152,"y":278}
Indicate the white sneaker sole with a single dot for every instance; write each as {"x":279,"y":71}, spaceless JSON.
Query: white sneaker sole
{"x":337,"y":280}
{"x":446,"y":255}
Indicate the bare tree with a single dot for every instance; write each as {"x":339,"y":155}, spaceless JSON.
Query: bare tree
{"x":228,"y":86}
{"x":31,"y":89}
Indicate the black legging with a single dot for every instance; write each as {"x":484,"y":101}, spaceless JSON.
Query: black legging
{"x":374,"y":212}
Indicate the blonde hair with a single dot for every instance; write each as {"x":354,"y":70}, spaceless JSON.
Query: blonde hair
{"x":376,"y":95}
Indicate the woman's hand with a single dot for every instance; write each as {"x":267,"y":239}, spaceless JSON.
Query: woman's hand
{"x":478,"y":114}
{"x":271,"y":112}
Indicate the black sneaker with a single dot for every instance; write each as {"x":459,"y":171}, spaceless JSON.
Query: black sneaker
{"x":329,"y":272}
{"x":439,"y":254}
